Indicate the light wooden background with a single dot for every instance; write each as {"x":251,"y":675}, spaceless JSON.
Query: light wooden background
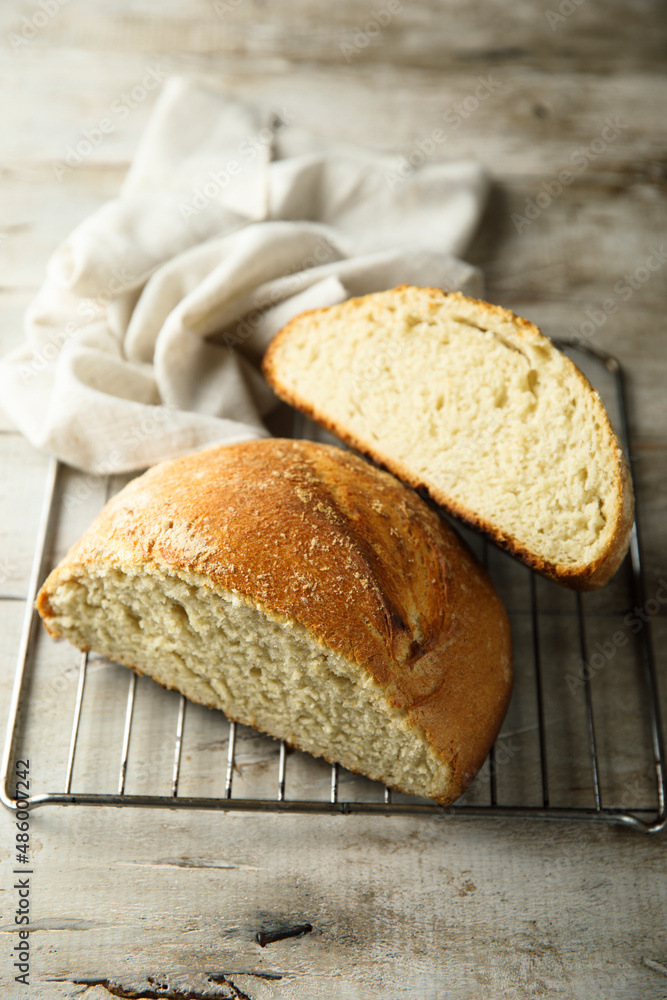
{"x":400,"y":907}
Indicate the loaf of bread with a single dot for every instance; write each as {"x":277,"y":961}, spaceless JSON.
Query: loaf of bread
{"x":306,"y":594}
{"x":474,"y":407}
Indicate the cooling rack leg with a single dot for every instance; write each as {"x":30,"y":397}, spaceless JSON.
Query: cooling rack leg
{"x":282,"y":763}
{"x":590,"y":725}
{"x":126,"y":735}
{"x":334,"y":783}
{"x":538,"y":688}
{"x":231,"y":749}
{"x":83,"y":667}
{"x":178,"y":747}
{"x":29,"y":624}
{"x":493,"y":788}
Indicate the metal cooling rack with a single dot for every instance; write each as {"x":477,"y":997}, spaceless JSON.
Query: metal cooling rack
{"x":568,"y":767}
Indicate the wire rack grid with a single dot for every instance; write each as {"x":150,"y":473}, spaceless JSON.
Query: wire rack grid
{"x":566,"y":751}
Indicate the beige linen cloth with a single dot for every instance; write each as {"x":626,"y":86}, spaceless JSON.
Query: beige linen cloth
{"x":145,"y":339}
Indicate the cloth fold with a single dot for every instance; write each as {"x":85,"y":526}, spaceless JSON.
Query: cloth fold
{"x":146,"y":337}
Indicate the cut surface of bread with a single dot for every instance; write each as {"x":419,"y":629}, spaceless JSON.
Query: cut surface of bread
{"x":306,"y":594}
{"x":474,"y":406}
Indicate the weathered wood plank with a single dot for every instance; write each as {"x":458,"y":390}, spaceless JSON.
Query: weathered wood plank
{"x":514,"y":120}
{"x":396,"y":907}
{"x":592,"y":35}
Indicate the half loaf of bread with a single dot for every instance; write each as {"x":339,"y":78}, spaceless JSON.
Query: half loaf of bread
{"x":306,"y":594}
{"x":476,"y":408}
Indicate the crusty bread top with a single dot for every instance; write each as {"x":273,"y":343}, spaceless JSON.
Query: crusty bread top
{"x":346,"y":364}
{"x":315,"y":535}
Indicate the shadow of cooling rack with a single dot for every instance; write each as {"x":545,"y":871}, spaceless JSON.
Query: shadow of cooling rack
{"x":582,"y":739}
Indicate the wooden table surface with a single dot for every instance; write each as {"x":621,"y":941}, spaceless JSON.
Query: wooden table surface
{"x":144,"y":903}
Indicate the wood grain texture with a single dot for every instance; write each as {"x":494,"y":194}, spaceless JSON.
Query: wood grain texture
{"x":186,"y":897}
{"x":442,"y":35}
{"x":398,"y":906}
{"x":546,"y":116}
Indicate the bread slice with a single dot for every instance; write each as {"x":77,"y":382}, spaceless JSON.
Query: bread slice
{"x":476,"y":408}
{"x":305,"y":593}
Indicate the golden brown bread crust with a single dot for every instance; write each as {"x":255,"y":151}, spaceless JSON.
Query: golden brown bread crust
{"x":312,"y":534}
{"x":588,"y":576}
